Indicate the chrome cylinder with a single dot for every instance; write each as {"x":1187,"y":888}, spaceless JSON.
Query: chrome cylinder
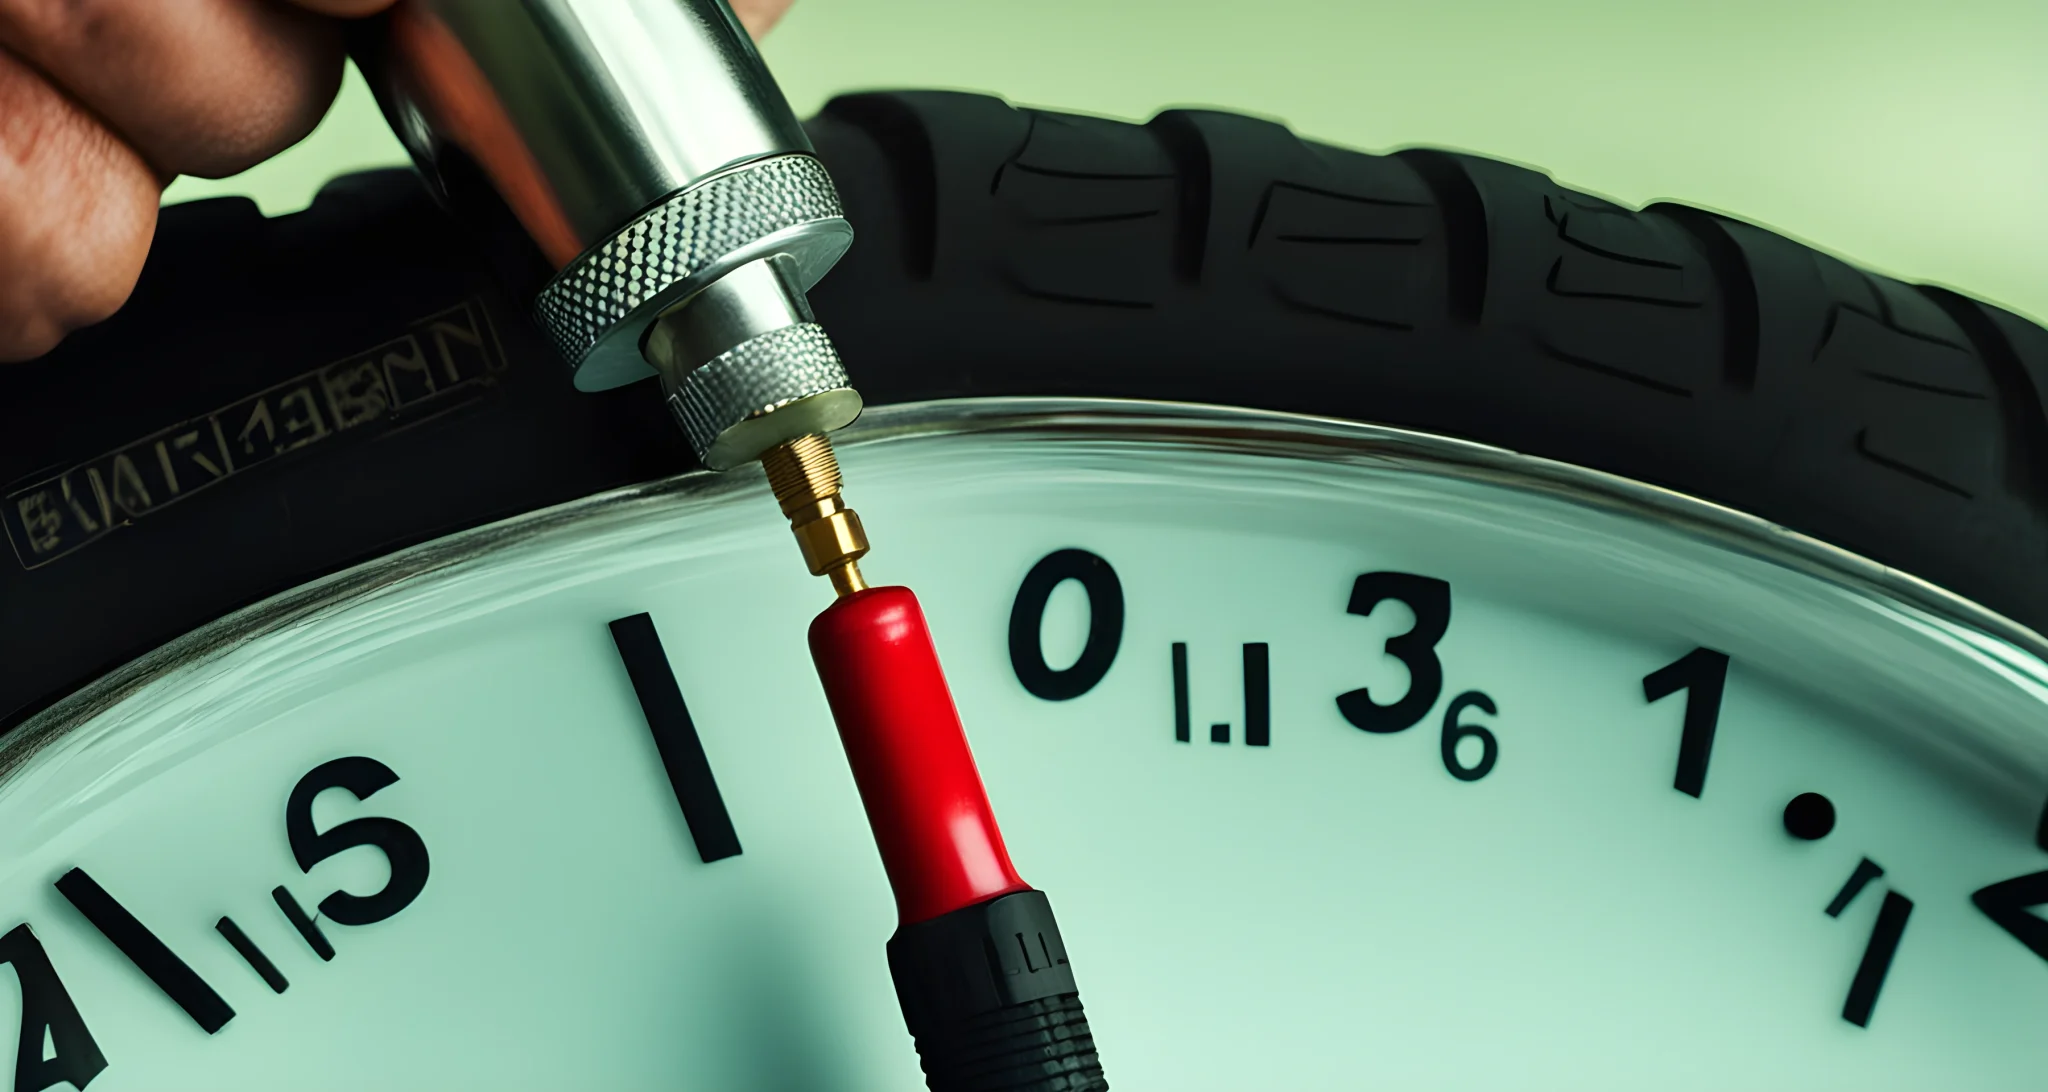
{"x":647,"y":151}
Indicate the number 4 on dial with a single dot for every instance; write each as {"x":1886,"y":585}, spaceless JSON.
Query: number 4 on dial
{"x":55,"y":1045}
{"x":2010,"y":903}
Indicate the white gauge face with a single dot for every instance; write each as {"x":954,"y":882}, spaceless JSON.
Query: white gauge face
{"x":1347,"y":759}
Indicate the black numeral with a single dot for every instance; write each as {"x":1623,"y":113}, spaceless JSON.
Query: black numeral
{"x":47,"y":1012}
{"x":1455,"y":733}
{"x":1430,"y":599}
{"x":1701,"y":673}
{"x":1105,"y":624}
{"x":364,"y":777}
{"x":2009,"y":903}
{"x":1877,"y":958}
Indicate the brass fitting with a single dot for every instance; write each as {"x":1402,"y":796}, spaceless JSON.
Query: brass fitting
{"x":805,"y":477}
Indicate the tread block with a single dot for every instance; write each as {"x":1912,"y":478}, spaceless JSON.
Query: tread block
{"x":1906,"y":394}
{"x":1611,"y":293}
{"x":1321,"y":230}
{"x":1092,"y":208}
{"x":1908,"y":427}
{"x":1611,"y":253}
{"x":2018,"y":353}
{"x":943,"y":148}
{"x":1347,"y":255}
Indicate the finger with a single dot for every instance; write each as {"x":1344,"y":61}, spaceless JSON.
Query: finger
{"x":347,"y":9}
{"x":204,"y":87}
{"x":77,"y":209}
{"x":756,"y":15}
{"x":759,"y":16}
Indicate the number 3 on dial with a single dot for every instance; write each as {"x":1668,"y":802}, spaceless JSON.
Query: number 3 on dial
{"x":1430,"y":599}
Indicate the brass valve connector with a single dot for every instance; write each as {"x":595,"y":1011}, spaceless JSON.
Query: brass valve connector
{"x":805,"y":477}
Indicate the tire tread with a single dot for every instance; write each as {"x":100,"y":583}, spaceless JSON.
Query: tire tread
{"x":1216,"y":257}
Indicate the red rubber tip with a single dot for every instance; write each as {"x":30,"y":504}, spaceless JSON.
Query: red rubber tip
{"x":924,"y":798}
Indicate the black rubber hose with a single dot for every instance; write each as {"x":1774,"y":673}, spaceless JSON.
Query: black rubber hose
{"x":989,"y":996}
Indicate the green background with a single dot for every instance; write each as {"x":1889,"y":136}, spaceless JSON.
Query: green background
{"x":1911,"y":138}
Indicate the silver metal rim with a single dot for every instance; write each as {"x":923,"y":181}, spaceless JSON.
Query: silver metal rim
{"x":1219,"y":428}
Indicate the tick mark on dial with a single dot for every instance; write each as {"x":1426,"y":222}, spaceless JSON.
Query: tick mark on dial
{"x":1180,"y":691}
{"x":675,"y":737}
{"x":303,"y":922}
{"x":1809,"y":817}
{"x":1877,"y":958}
{"x":251,"y":954}
{"x":1866,"y":871}
{"x":156,"y":961}
{"x":1258,"y":698}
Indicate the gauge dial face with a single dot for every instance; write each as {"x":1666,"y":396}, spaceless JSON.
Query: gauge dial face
{"x":1345,"y":756}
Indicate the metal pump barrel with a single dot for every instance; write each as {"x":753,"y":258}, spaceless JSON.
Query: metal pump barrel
{"x":645,"y":148}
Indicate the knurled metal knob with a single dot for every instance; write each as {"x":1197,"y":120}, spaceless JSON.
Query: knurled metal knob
{"x":599,"y":307}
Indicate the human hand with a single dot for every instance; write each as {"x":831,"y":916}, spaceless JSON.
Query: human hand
{"x":104,"y":102}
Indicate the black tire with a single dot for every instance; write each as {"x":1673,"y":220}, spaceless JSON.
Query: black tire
{"x":1203,"y":256}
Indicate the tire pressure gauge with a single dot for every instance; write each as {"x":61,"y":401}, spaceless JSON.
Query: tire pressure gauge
{"x":1357,"y":757}
{"x":378,"y":712}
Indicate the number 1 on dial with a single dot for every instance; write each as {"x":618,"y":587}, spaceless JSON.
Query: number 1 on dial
{"x":1877,"y":958}
{"x":1701,"y":673}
